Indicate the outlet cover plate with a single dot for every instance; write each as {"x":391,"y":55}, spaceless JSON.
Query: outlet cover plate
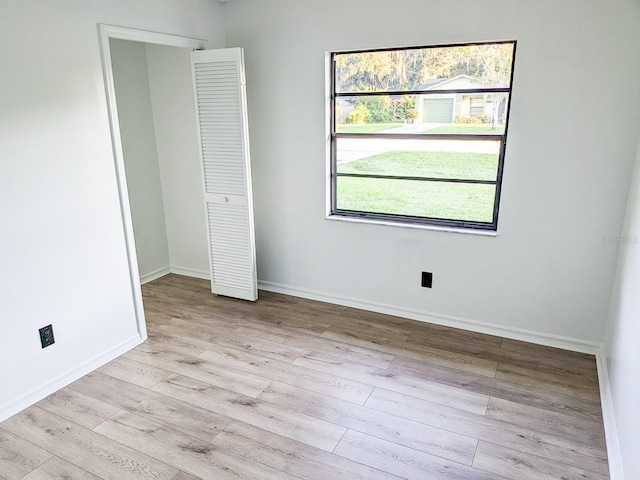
{"x":46,"y":336}
{"x":427,"y":279}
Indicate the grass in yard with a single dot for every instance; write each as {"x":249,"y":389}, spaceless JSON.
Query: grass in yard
{"x":456,"y":165}
{"x":468,"y":128}
{"x":366,"y":127}
{"x":449,"y":201}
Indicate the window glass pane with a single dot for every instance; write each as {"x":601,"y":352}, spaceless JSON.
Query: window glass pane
{"x":434,"y":68}
{"x":442,"y":200}
{"x":461,"y":113}
{"x":452,"y":159}
{"x":375,"y":114}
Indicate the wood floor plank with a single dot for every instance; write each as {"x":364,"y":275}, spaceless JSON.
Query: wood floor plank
{"x":58,"y":469}
{"x":279,"y":300}
{"x":229,"y":312}
{"x":572,"y":450}
{"x":207,"y":319}
{"x":438,"y":356}
{"x":381,"y":318}
{"x":18,"y":457}
{"x":490,"y":348}
{"x":197,"y":368}
{"x":293,"y":457}
{"x":397,"y":382}
{"x":429,"y":332}
{"x":453,"y":446}
{"x":78,"y":408}
{"x":294,"y":374}
{"x":540,"y":420}
{"x":185,"y":476}
{"x":88,"y":450}
{"x":374,"y":325}
{"x":189,"y":345}
{"x":254,"y":345}
{"x":131,"y":371}
{"x":362,"y":339}
{"x":301,"y":322}
{"x":198,"y":422}
{"x":167,"y":303}
{"x":543,"y":350}
{"x":560,"y":383}
{"x":182,"y":451}
{"x":368,"y":356}
{"x":426,"y":353}
{"x":404,"y":462}
{"x":261,"y":414}
{"x":522,"y":466}
{"x":491,"y":387}
{"x":369,"y":330}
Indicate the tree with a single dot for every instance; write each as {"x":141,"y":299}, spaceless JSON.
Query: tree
{"x":496,"y":72}
{"x":397,"y":70}
{"x":489,"y":64}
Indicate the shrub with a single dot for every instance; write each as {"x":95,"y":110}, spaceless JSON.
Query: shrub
{"x":360,"y":114}
{"x":412,"y":114}
{"x":379,"y":108}
{"x":472,"y":119}
{"x":402,"y":106}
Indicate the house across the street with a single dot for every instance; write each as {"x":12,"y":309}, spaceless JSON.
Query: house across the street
{"x":447,"y":107}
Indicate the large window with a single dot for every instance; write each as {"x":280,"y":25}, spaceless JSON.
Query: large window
{"x":418,"y":134}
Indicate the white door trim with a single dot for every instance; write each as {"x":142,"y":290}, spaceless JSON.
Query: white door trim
{"x":107,"y":32}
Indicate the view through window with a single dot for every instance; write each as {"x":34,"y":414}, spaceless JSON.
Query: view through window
{"x":418,"y":134}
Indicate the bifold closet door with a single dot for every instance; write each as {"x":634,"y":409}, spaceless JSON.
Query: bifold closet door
{"x":221,"y":111}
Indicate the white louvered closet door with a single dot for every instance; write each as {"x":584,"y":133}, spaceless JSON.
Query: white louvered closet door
{"x":221,"y":109}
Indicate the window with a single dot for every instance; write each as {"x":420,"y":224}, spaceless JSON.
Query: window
{"x":418,"y":134}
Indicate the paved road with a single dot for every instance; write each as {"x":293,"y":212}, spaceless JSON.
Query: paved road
{"x":352,"y":149}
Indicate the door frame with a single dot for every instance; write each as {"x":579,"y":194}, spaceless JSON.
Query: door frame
{"x":106,"y":33}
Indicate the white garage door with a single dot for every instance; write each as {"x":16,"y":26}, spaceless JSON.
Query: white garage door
{"x":437,"y":110}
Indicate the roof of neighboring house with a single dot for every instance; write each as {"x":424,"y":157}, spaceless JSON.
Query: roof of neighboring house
{"x":344,"y":101}
{"x":440,"y":83}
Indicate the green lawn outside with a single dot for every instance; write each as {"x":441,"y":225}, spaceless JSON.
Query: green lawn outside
{"x":449,"y":201}
{"x":366,"y":127}
{"x":460,"y":166}
{"x":468,"y":128}
{"x":452,"y":201}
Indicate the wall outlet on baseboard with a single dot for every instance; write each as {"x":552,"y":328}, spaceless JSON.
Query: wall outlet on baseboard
{"x":46,"y":336}
{"x":427,"y":279}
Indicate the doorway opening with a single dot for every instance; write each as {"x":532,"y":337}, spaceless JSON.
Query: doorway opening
{"x":153,"y":130}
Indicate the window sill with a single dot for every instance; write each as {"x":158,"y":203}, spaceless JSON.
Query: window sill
{"x":468,"y":231}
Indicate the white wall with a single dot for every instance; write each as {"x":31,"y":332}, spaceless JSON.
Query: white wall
{"x":135,"y":114}
{"x":623,"y":335}
{"x":568,"y":160}
{"x":62,"y":250}
{"x":158,"y":127}
{"x":177,"y":143}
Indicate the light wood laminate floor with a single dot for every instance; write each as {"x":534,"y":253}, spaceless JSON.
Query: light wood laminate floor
{"x":287,"y":388}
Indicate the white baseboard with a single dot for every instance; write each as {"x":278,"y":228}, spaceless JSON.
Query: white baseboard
{"x":190,"y":272}
{"x":151,"y":276}
{"x":9,"y":409}
{"x":610,"y":430}
{"x":549,"y":340}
